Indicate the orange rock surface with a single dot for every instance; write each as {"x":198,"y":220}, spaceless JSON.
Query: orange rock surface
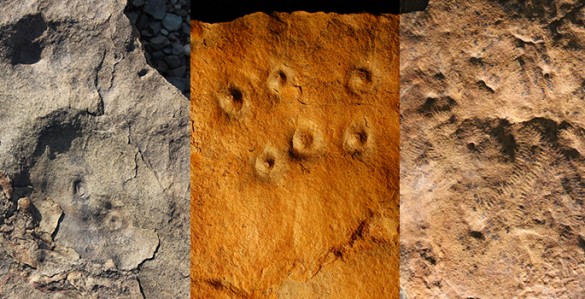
{"x":294,"y":157}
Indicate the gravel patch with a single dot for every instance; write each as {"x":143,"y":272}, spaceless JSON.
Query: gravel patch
{"x":164,"y":31}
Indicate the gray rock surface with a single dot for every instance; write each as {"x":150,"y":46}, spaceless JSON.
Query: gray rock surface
{"x":94,"y":154}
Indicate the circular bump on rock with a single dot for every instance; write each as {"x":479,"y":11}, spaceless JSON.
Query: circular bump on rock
{"x":23,"y":204}
{"x":114,"y":221}
{"x":276,"y":80}
{"x":233,"y":102}
{"x":307,"y":142}
{"x":269,"y":164}
{"x":281,"y":83}
{"x":357,"y":140}
{"x":360,"y":80}
{"x":79,"y":188}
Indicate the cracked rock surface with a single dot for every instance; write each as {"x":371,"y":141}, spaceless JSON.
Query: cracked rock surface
{"x":93,"y":155}
{"x":295,"y":127}
{"x":492,"y":150}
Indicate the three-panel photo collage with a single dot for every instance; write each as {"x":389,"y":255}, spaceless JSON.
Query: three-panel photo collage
{"x":375,"y":149}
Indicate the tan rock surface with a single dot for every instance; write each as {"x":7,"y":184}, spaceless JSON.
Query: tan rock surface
{"x":94,"y":195}
{"x":492,"y":144}
{"x":294,"y":157}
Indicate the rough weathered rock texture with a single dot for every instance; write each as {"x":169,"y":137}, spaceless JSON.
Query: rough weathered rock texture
{"x":93,"y":155}
{"x":295,"y":157}
{"x":492,"y":145}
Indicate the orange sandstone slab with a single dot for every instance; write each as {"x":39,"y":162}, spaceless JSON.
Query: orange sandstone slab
{"x":294,"y":157}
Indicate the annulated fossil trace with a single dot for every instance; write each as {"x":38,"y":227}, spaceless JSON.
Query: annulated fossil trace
{"x":492,"y":142}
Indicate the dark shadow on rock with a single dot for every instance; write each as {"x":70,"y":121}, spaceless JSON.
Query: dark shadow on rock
{"x":21,"y":40}
{"x":62,"y":128}
{"x":52,"y":134}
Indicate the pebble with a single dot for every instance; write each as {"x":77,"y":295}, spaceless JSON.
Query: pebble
{"x":172,"y":22}
{"x":146,"y":33}
{"x":155,"y":27}
{"x":138,"y":2}
{"x":164,"y":32}
{"x":23,"y":204}
{"x":177,"y":49}
{"x":174,"y":37}
{"x":159,"y":42}
{"x":187,"y":48}
{"x":156,"y":8}
{"x":173,"y":61}
{"x":158,"y":55}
